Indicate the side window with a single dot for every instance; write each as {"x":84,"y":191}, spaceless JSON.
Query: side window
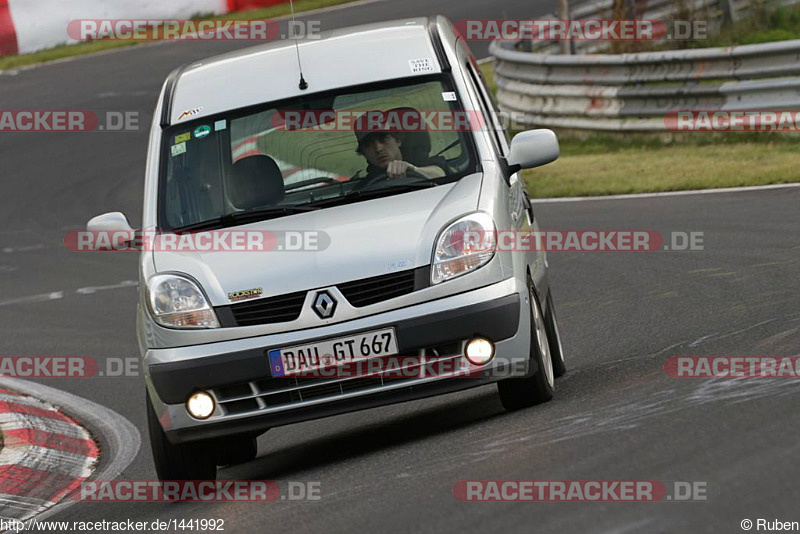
{"x":489,"y":110}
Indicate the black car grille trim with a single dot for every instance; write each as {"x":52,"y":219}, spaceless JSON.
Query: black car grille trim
{"x":359,"y":293}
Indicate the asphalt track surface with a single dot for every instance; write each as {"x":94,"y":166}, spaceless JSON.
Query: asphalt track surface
{"x":616,"y":415}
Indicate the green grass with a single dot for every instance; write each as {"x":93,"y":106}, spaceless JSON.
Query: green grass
{"x":60,"y":52}
{"x":765,"y":24}
{"x":666,"y":168}
{"x":64,"y":51}
{"x":576,"y":143}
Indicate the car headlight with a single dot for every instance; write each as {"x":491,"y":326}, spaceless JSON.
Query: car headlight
{"x":178,"y":302}
{"x":460,"y":248}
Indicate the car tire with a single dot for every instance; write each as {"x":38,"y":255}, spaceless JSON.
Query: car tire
{"x":517,"y":393}
{"x":554,"y":338}
{"x":183,"y":461}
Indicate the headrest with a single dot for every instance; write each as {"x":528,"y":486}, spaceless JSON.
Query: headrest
{"x":256,"y":181}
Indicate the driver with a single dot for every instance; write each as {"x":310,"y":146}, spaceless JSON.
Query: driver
{"x":383,"y":151}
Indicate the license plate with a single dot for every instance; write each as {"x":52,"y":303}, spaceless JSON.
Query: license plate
{"x":332,"y":352}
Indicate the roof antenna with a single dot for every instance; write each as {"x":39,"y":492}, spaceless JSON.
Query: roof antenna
{"x":303,"y":83}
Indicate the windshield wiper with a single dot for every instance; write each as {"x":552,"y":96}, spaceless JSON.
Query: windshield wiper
{"x":368,"y":194}
{"x":244,"y":217}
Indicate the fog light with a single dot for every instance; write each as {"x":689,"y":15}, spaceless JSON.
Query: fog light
{"x":479,"y":351}
{"x":200,"y":405}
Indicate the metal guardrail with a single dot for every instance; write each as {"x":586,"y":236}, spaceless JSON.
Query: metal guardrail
{"x":634,"y":91}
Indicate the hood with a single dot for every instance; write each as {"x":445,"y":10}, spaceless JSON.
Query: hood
{"x":361,"y":240}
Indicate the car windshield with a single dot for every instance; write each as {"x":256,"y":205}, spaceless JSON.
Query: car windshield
{"x":313,"y":152}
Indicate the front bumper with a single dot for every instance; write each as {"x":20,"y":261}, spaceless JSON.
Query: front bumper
{"x":249,"y":400}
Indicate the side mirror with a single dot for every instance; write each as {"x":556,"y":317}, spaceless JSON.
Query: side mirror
{"x":109,"y":222}
{"x":115,"y":229}
{"x":533,"y":148}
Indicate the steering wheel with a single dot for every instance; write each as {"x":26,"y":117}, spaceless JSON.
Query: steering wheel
{"x":382,"y":177}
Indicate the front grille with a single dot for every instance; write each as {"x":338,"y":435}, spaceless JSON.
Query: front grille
{"x":280,"y":309}
{"x":373,"y":290}
{"x":270,"y":393}
{"x":360,"y":293}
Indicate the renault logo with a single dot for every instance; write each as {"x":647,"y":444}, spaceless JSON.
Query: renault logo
{"x":324,"y":305}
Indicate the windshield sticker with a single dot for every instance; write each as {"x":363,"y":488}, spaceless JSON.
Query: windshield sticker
{"x":220,"y":125}
{"x":178,"y":149}
{"x":189,"y":113}
{"x":421,"y":66}
{"x":202,"y":131}
{"x":182,"y":138}
{"x":449,"y":96}
{"x":245,"y":294}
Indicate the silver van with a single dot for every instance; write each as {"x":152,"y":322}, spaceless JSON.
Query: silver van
{"x":365,"y":222}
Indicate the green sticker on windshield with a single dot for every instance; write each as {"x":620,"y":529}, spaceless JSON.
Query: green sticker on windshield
{"x":182,"y":138}
{"x":202,"y":131}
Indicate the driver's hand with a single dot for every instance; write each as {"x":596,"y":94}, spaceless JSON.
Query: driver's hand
{"x":398,"y":169}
